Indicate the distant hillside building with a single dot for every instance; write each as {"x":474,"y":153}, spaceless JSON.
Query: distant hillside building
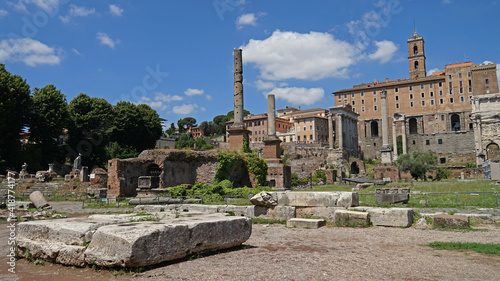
{"x":257,"y":125}
{"x":428,"y":112}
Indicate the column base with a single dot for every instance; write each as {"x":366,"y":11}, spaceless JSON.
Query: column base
{"x":237,"y":136}
{"x":386,"y":155}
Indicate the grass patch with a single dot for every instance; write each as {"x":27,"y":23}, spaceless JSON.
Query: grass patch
{"x":491,"y":249}
{"x":267,"y":221}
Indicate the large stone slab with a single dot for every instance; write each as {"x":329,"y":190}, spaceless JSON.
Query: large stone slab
{"x":318,"y":199}
{"x":147,"y":243}
{"x":38,"y":200}
{"x":397,"y":217}
{"x":274,"y":213}
{"x":392,"y":195}
{"x":351,"y":218}
{"x":451,"y":221}
{"x":327,"y":213}
{"x":306,"y":223}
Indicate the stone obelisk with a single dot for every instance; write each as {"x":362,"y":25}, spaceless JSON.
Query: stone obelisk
{"x":238,"y":132}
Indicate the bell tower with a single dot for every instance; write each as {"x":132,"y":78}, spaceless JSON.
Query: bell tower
{"x":416,"y":56}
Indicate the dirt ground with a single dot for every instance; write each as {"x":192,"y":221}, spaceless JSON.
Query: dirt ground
{"x":330,"y":253}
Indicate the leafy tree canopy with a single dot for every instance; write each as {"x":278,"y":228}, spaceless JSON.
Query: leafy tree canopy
{"x":417,"y":163}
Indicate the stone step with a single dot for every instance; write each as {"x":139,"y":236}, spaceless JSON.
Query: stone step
{"x":305,"y":223}
{"x":352,"y":218}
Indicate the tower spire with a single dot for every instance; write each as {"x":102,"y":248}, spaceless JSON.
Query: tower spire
{"x":414,"y":28}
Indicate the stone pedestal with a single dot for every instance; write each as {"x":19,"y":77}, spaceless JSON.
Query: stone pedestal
{"x":386,"y":155}
{"x":279,"y":176}
{"x":272,"y":150}
{"x":331,"y":176}
{"x":84,"y":174}
{"x":237,"y":136}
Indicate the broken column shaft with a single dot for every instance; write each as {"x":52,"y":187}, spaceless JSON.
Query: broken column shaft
{"x":238,"y":88}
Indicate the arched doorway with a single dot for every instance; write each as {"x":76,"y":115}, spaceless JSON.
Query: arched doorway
{"x":412,"y":123}
{"x":493,"y":151}
{"x":455,"y":122}
{"x":354,"y":168}
{"x":374,"y":128}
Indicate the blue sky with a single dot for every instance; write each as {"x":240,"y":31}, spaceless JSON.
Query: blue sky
{"x":177,"y":56}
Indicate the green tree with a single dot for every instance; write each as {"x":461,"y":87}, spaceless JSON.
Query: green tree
{"x":15,"y":105}
{"x":171,"y":130}
{"x":135,"y":126}
{"x":417,"y":163}
{"x":90,"y":122}
{"x":48,"y":119}
{"x":186,"y":123}
{"x":208,"y":128}
{"x":117,"y":151}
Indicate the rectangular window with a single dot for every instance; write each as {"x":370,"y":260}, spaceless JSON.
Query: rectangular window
{"x":427,"y":142}
{"x":460,"y":83}
{"x":421,"y":86}
{"x":461,"y":99}
{"x":374,"y":100}
{"x":353,"y":109}
{"x":470,"y":89}
{"x":450,"y":85}
{"x":352,"y":95}
{"x":310,"y":137}
{"x":304,"y":128}
{"x":488,"y":89}
{"x":310,"y":128}
{"x":340,"y":97}
{"x":487,"y":81}
{"x":362,"y":109}
{"x":460,"y":75}
{"x":451,"y":91}
{"x":397,"y":97}
{"x":423,"y":95}
{"x":396,"y":90}
{"x":362,"y":94}
{"x":411,"y":88}
{"x":362,"y":101}
{"x":431,"y":85}
{"x":411,"y":104}
{"x":375,"y":108}
{"x":353,"y":102}
{"x":440,"y":84}
{"x":423,"y":103}
{"x":298,"y":129}
{"x":345,"y":102}
{"x":442,"y":117}
{"x":431,"y":94}
{"x":449,"y":77}
{"x":461,"y":90}
{"x":441,"y":101}
{"x":432,"y":102}
{"x":440,"y":141}
{"x":397,"y":105}
{"x":468,"y":74}
{"x":440,"y":92}
{"x":374,"y":92}
{"x":345,"y":96}
{"x":411,"y":96}
{"x":451,"y":100}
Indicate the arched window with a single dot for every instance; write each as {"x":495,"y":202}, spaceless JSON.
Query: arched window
{"x":455,"y":122}
{"x":413,"y":126}
{"x":374,"y":128}
{"x":416,"y":64}
{"x":415,"y":49}
{"x":153,"y":170}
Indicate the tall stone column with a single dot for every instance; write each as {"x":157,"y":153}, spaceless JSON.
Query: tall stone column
{"x":403,"y":130}
{"x":340,"y":131}
{"x":394,"y":141}
{"x":238,"y":133}
{"x":385,"y":150}
{"x":271,"y":117}
{"x":238,"y":88}
{"x":330,"y":131}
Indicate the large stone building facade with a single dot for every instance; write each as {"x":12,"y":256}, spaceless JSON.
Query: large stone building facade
{"x":428,"y":112}
{"x":258,"y":127}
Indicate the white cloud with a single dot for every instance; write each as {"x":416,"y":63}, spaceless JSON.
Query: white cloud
{"x":430,"y":72}
{"x":115,"y":10}
{"x":65,"y":19}
{"x":194,"y":92}
{"x":209,"y":97}
{"x":166,"y":98}
{"x":264,"y":85}
{"x":3,"y":13}
{"x":158,"y":105}
{"x":29,"y":51}
{"x":76,"y":52}
{"x":185,"y":109}
{"x":104,"y":39}
{"x":385,"y":51}
{"x":298,"y":96}
{"x":312,"y":56}
{"x":46,"y":5}
{"x":246,"y":19}
{"x":447,"y":1}
{"x":77,"y":11}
